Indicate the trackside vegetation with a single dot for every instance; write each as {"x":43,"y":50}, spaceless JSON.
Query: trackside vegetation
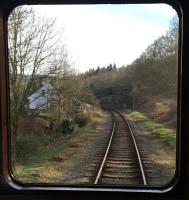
{"x":165,"y":134}
{"x":57,"y":150}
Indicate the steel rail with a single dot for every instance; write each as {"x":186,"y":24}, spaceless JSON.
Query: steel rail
{"x":137,"y":150}
{"x":106,"y":153}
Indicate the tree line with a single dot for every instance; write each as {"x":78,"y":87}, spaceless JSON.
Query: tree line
{"x":154,"y":72}
{"x":98,"y":70}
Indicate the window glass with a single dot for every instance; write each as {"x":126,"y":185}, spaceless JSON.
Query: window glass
{"x":93,"y":94}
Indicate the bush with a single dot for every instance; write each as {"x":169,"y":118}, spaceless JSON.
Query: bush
{"x":80,"y":120}
{"x":67,"y":126}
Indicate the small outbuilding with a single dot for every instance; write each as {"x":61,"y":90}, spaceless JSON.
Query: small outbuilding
{"x":40,"y":100}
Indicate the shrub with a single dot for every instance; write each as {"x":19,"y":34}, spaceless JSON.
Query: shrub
{"x":80,"y":120}
{"x":67,"y":126}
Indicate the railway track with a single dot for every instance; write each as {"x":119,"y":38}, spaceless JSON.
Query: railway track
{"x":118,"y":159}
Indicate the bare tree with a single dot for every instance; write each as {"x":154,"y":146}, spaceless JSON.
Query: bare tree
{"x":165,"y":45}
{"x":71,"y":93}
{"x":33,"y":44}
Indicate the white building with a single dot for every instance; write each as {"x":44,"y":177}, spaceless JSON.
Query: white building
{"x":39,"y":100}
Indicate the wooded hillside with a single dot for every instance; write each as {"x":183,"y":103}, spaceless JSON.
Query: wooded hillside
{"x":154,"y":73}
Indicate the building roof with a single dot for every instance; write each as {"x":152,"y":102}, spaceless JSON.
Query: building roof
{"x":43,"y":90}
{"x":40,"y":98}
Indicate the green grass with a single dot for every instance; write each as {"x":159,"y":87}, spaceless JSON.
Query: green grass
{"x":89,"y":127}
{"x":43,"y":157}
{"x":150,"y":125}
{"x":165,"y":134}
{"x":47,"y":154}
{"x":47,"y":147}
{"x":137,"y":116}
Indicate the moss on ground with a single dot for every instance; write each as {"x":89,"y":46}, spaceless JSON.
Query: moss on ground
{"x":137,"y":116}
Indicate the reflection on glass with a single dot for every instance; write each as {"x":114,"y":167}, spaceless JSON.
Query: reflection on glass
{"x":93,"y":94}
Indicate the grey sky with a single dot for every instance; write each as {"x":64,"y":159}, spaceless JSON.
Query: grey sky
{"x":97,"y":35}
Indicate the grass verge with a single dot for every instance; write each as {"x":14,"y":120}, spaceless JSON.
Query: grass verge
{"x":53,"y":151}
{"x":165,"y":134}
{"x":58,"y":145}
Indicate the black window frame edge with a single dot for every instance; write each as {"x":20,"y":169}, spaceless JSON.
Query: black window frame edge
{"x":177,"y":188}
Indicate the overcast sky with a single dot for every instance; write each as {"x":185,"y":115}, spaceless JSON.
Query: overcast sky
{"x":97,"y":35}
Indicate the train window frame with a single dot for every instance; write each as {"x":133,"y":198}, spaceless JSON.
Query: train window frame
{"x":9,"y":185}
